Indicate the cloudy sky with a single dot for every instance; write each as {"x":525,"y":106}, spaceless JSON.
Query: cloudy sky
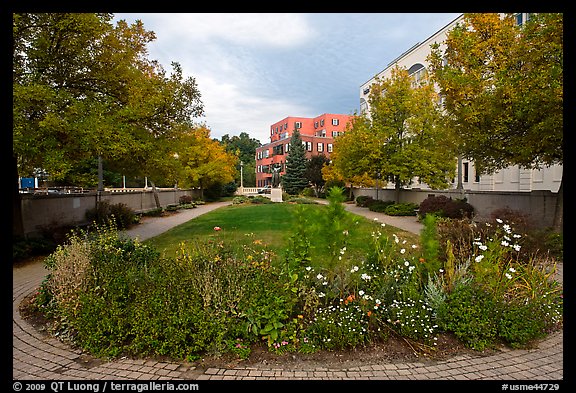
{"x":255,"y":69}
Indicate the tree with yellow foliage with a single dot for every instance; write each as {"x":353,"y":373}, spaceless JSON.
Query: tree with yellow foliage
{"x":503,"y":90}
{"x":401,"y":139}
{"x":202,"y":161}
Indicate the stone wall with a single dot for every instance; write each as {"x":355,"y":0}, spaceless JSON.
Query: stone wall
{"x":42,"y":212}
{"x":539,"y":205}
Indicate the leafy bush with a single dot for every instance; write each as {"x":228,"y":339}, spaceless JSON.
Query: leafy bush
{"x":25,"y":248}
{"x":156,"y":212}
{"x":475,"y":322}
{"x":364,"y":200}
{"x":308,"y":192}
{"x":446,"y":207}
{"x":104,"y":212}
{"x":185,"y":199}
{"x":378,"y":206}
{"x":401,"y":209}
{"x":521,"y":323}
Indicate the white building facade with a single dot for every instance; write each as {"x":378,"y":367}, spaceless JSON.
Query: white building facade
{"x":512,"y":178}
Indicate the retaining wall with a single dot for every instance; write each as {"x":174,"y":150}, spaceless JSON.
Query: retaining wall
{"x":539,"y":205}
{"x":42,"y":212}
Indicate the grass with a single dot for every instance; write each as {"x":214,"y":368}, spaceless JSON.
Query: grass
{"x":270,"y":223}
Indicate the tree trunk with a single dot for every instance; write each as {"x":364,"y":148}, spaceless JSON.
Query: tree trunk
{"x":156,"y":196}
{"x":397,"y":191}
{"x":17,"y":224}
{"x":557,"y":225}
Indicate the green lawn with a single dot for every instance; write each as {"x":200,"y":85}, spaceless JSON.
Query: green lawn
{"x":273,"y":224}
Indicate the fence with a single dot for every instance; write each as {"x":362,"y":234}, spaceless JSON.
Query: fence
{"x":539,"y":205}
{"x":247,"y":191}
{"x":41,"y":212}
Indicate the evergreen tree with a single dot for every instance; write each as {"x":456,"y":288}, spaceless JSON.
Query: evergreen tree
{"x":294,"y":181}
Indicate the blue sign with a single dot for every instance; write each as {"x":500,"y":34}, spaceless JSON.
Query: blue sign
{"x":27,"y":182}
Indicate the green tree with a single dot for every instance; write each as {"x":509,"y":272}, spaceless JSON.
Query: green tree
{"x":83,"y":88}
{"x":400,"y":139}
{"x":294,"y":180}
{"x":313,"y":172}
{"x":245,"y":148}
{"x":503,"y":89}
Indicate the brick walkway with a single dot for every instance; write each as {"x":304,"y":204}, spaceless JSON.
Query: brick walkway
{"x":37,"y":357}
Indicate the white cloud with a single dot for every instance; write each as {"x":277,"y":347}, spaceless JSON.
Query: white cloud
{"x":230,"y":110}
{"x":268,"y":30}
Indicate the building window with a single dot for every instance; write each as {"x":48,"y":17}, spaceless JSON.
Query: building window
{"x":320,"y":147}
{"x":329,"y":147}
{"x":315,"y":124}
{"x":287,"y":148}
{"x":297,"y":124}
{"x":322,"y":123}
{"x":285,"y":126}
{"x":309,"y":146}
{"x":335,"y":122}
{"x":465,"y":177}
{"x":519,"y":19}
{"x":418,"y":73}
{"x":363,"y":105}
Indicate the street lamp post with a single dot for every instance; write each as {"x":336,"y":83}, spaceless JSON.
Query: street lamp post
{"x":241,"y":177}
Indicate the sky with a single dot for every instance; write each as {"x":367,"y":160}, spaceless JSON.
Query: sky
{"x":255,"y":69}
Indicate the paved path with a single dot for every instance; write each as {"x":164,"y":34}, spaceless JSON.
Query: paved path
{"x":409,"y":224}
{"x":153,"y":226}
{"x":39,"y":357}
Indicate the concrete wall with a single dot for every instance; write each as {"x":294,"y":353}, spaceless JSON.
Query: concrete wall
{"x":40,"y":212}
{"x":539,"y":205}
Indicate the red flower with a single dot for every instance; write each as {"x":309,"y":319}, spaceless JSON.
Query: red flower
{"x":217,"y":229}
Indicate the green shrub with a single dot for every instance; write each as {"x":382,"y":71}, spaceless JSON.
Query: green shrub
{"x":25,"y":248}
{"x":302,"y":200}
{"x":156,"y":212}
{"x":521,"y":323}
{"x":472,"y":315}
{"x":104,"y":212}
{"x":378,"y":206}
{"x":238,"y":200}
{"x":259,"y":199}
{"x":308,"y":192}
{"x":364,"y":200}
{"x":172,"y":208}
{"x":401,"y":209}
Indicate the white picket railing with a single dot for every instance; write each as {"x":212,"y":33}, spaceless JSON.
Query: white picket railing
{"x":247,"y":190}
